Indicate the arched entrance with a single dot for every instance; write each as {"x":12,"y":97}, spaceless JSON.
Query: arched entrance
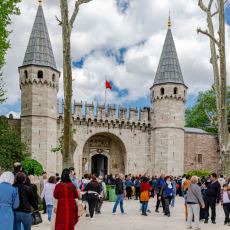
{"x":104,"y":153}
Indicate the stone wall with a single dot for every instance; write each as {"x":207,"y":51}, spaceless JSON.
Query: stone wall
{"x":204,"y":144}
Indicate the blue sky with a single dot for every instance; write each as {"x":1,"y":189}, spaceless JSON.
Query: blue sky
{"x":127,"y":51}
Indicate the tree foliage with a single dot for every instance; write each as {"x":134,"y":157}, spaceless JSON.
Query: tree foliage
{"x":203,"y":114}
{"x":11,"y":147}
{"x":32,"y":167}
{"x":199,"y":173}
{"x":7,"y":8}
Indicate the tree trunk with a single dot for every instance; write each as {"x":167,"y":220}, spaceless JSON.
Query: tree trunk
{"x":223,"y":91}
{"x":67,"y":78}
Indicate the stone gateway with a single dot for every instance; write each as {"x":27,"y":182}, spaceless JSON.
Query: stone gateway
{"x":111,"y":139}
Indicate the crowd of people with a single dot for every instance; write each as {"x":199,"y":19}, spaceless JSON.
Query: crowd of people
{"x":20,"y":195}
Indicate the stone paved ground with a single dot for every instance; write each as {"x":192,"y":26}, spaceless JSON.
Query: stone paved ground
{"x":134,"y":221}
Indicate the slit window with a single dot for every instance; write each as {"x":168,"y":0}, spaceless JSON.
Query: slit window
{"x":162,"y":91}
{"x":175,"y":90}
{"x":200,"y":158}
{"x":26,"y":74}
{"x":40,"y":74}
{"x":53,"y":77}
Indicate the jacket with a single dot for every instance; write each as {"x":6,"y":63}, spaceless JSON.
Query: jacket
{"x":194,"y":195}
{"x":26,"y":198}
{"x":119,"y":186}
{"x":213,"y":190}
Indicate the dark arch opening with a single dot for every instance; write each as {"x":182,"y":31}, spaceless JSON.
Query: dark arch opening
{"x":40,"y":74}
{"x":175,"y":90}
{"x":26,"y":74}
{"x":162,"y":91}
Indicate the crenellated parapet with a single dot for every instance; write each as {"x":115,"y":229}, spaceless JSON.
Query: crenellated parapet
{"x":109,"y":114}
{"x":36,"y":75}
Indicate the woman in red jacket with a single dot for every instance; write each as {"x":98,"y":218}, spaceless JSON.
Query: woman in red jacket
{"x":144,"y":197}
{"x":66,"y":193}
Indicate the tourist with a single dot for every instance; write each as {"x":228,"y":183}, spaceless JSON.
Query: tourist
{"x":153,"y":183}
{"x":42,"y":184}
{"x":22,"y":215}
{"x":93,"y":190}
{"x":30,"y":181}
{"x":182,"y":184}
{"x":211,"y":197}
{"x":73,"y":177}
{"x":166,"y":195}
{"x":84,"y":183}
{"x":128,"y":186}
{"x":17,"y":168}
{"x":137,"y":186}
{"x":144,"y":196}
{"x":222,"y":181}
{"x":194,"y":200}
{"x":174,"y":185}
{"x":9,"y":200}
{"x":225,"y":201}
{"x":119,"y":194}
{"x":47,"y":194}
{"x":66,"y":193}
{"x":102,"y":196}
{"x":160,"y":182}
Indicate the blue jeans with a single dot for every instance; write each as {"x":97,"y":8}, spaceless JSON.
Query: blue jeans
{"x":22,"y":218}
{"x":119,"y":200}
{"x":144,"y":207}
{"x":49,"y":209}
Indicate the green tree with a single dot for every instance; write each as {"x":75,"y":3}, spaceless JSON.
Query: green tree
{"x":32,"y":167}
{"x":203,"y":114}
{"x":7,"y":9}
{"x":11,"y":147}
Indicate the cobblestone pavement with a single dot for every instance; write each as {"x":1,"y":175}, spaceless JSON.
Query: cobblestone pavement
{"x":134,"y":221}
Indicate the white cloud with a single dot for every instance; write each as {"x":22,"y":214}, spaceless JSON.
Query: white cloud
{"x":14,"y":114}
{"x":100,"y":25}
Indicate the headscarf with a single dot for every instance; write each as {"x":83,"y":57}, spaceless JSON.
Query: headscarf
{"x":65,"y":176}
{"x":7,"y":177}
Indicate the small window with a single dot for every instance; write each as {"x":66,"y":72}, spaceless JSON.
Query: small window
{"x":184,"y":93}
{"x":26,"y":74}
{"x":153,"y":94}
{"x":40,"y":74}
{"x":175,"y":90}
{"x":200,"y":158}
{"x":162,"y":91}
{"x":53,"y":77}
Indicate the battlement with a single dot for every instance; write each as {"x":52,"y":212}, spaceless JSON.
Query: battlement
{"x":109,"y":113}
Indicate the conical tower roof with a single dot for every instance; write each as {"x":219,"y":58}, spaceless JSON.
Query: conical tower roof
{"x":169,"y":70}
{"x":39,"y":50}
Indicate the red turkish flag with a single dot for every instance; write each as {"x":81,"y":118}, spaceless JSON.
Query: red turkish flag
{"x":108,"y":85}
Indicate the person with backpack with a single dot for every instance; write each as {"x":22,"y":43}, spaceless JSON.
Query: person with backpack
{"x":144,"y":197}
{"x":137,"y":186}
{"x":160,"y":182}
{"x":166,"y":194}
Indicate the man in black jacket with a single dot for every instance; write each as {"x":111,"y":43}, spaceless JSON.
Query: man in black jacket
{"x":211,"y":198}
{"x":120,"y":193}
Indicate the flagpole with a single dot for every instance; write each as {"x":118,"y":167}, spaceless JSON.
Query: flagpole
{"x":105,"y":90}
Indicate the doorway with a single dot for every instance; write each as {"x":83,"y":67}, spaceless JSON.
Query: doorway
{"x":99,"y":165}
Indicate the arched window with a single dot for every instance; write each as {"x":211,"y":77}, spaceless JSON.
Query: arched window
{"x":40,"y":74}
{"x":175,"y":90}
{"x":26,"y":74}
{"x":162,"y":91}
{"x":53,"y":77}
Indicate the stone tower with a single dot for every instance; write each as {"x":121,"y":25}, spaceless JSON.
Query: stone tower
{"x":168,"y":104}
{"x":39,"y":80}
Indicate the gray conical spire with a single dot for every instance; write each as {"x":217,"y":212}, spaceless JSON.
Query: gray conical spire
{"x":169,"y":70}
{"x":39,"y":50}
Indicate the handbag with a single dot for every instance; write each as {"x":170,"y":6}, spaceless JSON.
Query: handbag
{"x":80,"y":208}
{"x":36,"y":218}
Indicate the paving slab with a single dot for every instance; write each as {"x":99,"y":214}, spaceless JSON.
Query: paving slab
{"x":135,"y":221}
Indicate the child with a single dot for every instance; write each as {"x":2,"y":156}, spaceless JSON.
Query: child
{"x":225,"y":201}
